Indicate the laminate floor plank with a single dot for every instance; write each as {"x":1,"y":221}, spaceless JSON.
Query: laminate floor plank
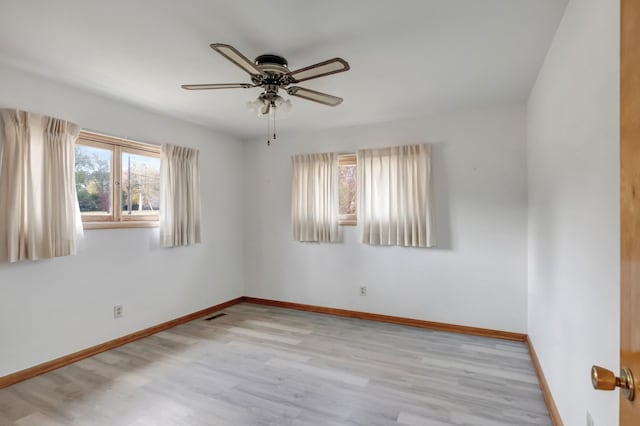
{"x":261,"y":365}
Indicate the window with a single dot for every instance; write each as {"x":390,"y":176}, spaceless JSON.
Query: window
{"x":347,"y":188}
{"x":117,"y":182}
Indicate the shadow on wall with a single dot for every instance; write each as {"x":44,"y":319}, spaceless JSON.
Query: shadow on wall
{"x":441,"y":216}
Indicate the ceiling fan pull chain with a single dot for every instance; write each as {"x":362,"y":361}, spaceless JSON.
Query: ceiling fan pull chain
{"x":268,"y":132}
{"x":274,"y":123}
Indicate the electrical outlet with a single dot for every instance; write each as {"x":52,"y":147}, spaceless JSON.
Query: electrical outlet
{"x":590,"y":421}
{"x":363,"y":290}
{"x":117,"y":311}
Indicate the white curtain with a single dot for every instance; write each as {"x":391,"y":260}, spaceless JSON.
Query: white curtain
{"x":394,"y":196}
{"x":39,"y":212}
{"x":314,"y":206}
{"x":179,"y":196}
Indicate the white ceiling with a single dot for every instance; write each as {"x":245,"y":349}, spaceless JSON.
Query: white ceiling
{"x":407,"y":57}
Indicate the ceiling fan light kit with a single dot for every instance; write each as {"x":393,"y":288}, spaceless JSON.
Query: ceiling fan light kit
{"x":271,"y":72}
{"x":266,"y":104}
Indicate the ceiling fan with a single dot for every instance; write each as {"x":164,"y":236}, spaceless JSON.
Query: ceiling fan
{"x":271,"y":72}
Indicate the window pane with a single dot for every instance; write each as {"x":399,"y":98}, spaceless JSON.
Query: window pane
{"x":140,"y":184}
{"x":93,"y":179}
{"x":347,"y":188}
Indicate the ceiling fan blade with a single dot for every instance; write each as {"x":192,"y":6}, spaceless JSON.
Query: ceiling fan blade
{"x":331,"y":66}
{"x":217,"y":86}
{"x":232,"y":54}
{"x":314,"y":96}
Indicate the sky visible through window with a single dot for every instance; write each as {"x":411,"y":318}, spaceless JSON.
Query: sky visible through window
{"x":347,"y":189}
{"x":93,"y":179}
{"x":140,"y":184}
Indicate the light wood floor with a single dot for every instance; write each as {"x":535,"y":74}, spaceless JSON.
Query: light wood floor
{"x":269,"y":366}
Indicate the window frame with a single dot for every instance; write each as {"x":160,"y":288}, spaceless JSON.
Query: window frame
{"x":349,"y":219}
{"x":118,"y":146}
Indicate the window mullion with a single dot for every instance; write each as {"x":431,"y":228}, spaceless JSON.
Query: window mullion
{"x":117,"y":184}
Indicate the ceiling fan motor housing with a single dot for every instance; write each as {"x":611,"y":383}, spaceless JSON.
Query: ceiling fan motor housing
{"x":274,"y":71}
{"x":271,"y":59}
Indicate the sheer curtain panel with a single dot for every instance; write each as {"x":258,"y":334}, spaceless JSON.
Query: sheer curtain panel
{"x":179,"y":196}
{"x":394,"y":196}
{"x":39,"y":212}
{"x":314,"y":206}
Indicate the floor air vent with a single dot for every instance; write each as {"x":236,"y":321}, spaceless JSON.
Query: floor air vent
{"x":215,"y":316}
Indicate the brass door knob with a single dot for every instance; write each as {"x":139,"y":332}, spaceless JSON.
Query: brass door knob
{"x":603,"y":379}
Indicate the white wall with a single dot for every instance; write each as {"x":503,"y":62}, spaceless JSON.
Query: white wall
{"x":477,"y":274}
{"x":55,"y":307}
{"x":573,"y":149}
